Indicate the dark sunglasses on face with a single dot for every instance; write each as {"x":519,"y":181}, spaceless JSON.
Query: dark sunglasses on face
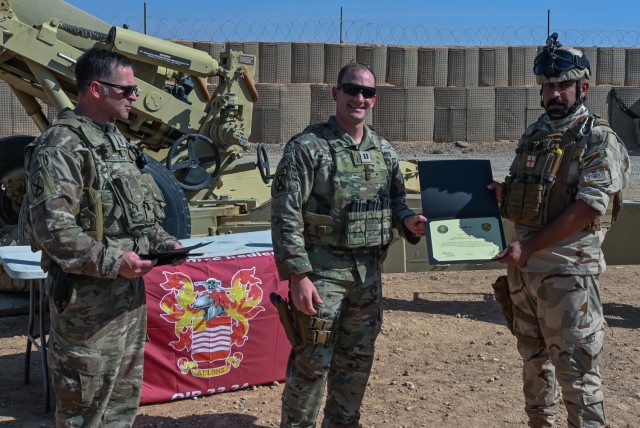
{"x":126,"y":90}
{"x":353,"y":90}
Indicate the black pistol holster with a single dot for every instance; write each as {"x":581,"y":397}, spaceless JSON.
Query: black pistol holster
{"x":503,"y":297}
{"x":60,"y":290}
{"x":285,"y":313}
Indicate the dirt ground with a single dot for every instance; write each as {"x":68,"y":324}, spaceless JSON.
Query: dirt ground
{"x":444,"y":359}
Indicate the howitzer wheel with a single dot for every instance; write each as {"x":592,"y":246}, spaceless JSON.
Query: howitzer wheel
{"x":12,"y":177}
{"x":263,"y":164}
{"x":177,"y":219}
{"x":191,"y":162}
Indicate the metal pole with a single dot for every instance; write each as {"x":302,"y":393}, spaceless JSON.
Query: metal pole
{"x":340,"y":24}
{"x":145,"y":18}
{"x":548,"y":22}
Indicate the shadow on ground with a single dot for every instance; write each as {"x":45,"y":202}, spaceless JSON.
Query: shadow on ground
{"x":211,"y":420}
{"x":477,"y":306}
{"x":483,"y":307}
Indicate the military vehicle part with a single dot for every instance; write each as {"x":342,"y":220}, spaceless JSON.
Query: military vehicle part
{"x":12,"y":187}
{"x":191,"y":168}
{"x":263,"y":164}
{"x":201,"y":136}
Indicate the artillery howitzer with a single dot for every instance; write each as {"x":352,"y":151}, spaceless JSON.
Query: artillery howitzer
{"x":192,"y":139}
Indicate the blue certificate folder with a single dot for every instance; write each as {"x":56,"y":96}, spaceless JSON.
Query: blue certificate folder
{"x":464,"y":223}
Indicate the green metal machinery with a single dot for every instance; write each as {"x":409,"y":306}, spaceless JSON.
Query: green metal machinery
{"x":196,"y":140}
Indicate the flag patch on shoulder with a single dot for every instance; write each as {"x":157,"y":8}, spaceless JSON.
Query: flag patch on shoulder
{"x":594,"y":159}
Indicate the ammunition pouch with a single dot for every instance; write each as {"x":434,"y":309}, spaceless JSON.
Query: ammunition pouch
{"x":313,"y":330}
{"x":302,"y":330}
{"x":60,"y":290}
{"x":365,"y":224}
{"x":503,"y":297}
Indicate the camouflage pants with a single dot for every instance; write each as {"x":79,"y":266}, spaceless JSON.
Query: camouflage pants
{"x":96,"y":346}
{"x":344,"y":365}
{"x":559,"y":324}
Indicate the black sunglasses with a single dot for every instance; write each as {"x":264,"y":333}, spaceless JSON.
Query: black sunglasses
{"x":353,"y":90}
{"x":126,"y":90}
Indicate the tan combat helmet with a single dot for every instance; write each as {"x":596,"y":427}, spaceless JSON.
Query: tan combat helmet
{"x":557,"y":63}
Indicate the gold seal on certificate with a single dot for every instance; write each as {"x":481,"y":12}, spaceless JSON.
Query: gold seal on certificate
{"x":463,"y":216}
{"x":467,"y":238}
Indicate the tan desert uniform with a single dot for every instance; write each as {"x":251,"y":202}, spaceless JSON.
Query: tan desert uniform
{"x":558,"y":312}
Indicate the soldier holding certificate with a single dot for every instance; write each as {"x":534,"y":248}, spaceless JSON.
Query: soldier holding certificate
{"x":563,"y":193}
{"x":338,"y":192}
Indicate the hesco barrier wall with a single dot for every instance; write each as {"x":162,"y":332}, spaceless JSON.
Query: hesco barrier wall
{"x":426,"y":93}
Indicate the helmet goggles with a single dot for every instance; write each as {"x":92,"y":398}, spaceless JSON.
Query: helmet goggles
{"x":551,"y":64}
{"x":555,"y":60}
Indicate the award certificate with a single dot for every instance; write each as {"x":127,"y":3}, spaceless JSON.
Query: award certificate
{"x":468,"y":239}
{"x":463,"y":216}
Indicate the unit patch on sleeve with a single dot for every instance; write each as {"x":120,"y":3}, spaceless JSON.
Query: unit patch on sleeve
{"x":40,"y":187}
{"x":597,"y":175}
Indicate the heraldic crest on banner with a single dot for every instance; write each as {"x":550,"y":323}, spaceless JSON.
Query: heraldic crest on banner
{"x":210,"y":320}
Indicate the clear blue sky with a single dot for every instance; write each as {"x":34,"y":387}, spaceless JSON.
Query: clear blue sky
{"x":574,"y":17}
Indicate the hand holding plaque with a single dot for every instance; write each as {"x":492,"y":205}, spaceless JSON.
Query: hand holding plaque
{"x":174,"y":255}
{"x":464,"y":224}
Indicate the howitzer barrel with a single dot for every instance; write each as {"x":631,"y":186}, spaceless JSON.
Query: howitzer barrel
{"x":162,"y":53}
{"x":36,"y":12}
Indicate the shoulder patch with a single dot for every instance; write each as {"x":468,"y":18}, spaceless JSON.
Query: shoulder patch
{"x":285,"y":176}
{"x":40,"y":187}
{"x":594,"y":159}
{"x":597,"y":175}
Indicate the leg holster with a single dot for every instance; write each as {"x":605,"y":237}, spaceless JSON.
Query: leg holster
{"x":503,"y":297}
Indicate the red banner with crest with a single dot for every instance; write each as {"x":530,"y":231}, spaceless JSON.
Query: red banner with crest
{"x":212,"y":327}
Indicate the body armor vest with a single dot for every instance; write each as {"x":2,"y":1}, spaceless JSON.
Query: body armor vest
{"x":360,"y":205}
{"x":122,"y":201}
{"x":545,"y":174}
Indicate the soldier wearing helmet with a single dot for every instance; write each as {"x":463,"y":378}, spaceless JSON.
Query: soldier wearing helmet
{"x":558,"y":68}
{"x":563,"y":193}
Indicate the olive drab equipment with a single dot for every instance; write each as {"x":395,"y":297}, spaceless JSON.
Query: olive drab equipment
{"x":194,"y":134}
{"x":360,"y":208}
{"x":544,"y":177}
{"x":122,"y":201}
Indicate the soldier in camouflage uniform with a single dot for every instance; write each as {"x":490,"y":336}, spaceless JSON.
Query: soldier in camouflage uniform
{"x":337,"y":194}
{"x":92,"y":211}
{"x":563,"y":192}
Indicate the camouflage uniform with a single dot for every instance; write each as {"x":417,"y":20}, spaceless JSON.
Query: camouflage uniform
{"x":347,"y":275}
{"x":98,"y":319}
{"x":559,"y":322}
